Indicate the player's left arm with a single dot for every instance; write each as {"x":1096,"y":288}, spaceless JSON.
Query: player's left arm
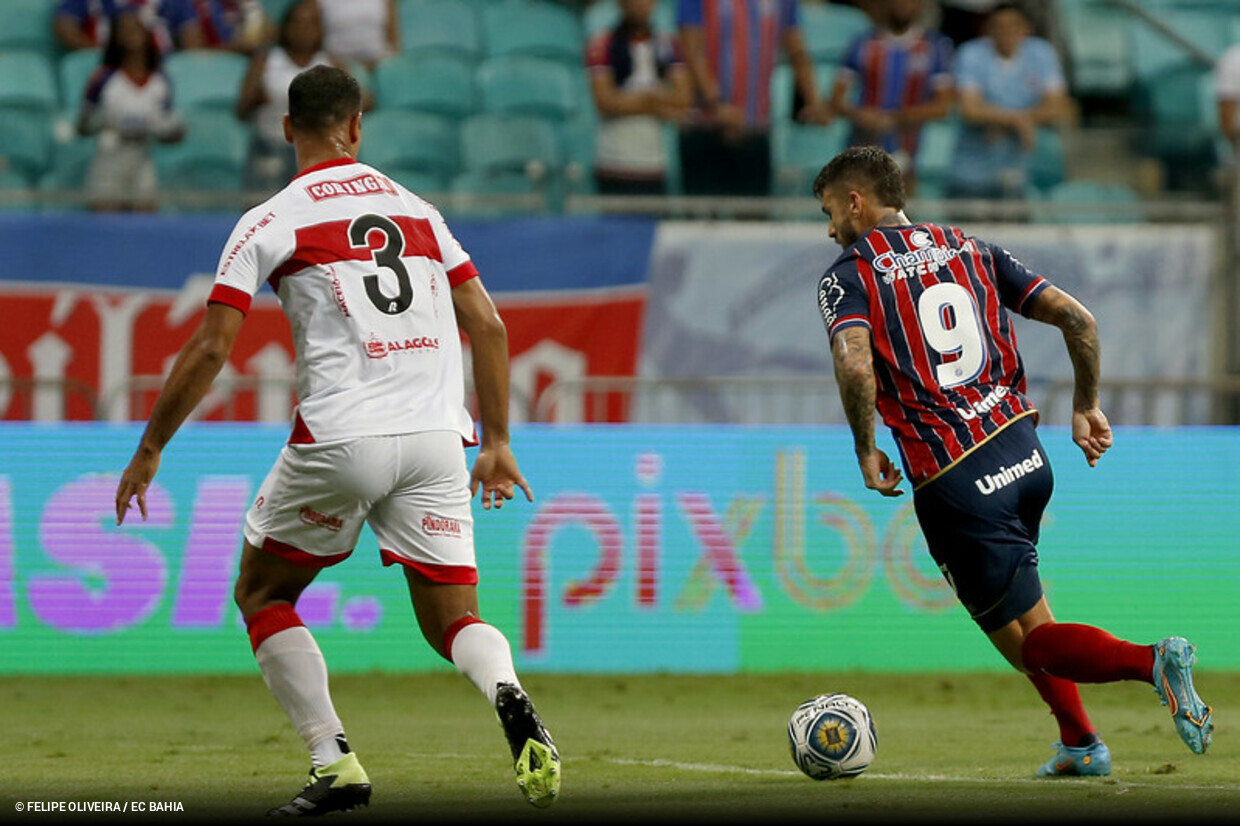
{"x":196,"y":367}
{"x":1090,"y":429}
{"x":854,"y":373}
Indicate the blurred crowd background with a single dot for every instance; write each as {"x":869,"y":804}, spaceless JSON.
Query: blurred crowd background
{"x":1126,"y":106}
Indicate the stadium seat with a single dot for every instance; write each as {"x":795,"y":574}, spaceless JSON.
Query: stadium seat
{"x":440,"y":26}
{"x":492,"y":144}
{"x":799,"y":151}
{"x":411,"y":141}
{"x":1097,"y":45}
{"x":433,"y":83}
{"x":1047,"y":166}
{"x":829,"y":28}
{"x":69,"y":164}
{"x":27,"y":24}
{"x":25,"y":142}
{"x":205,"y":78}
{"x":75,"y":70}
{"x":1095,"y":202}
{"x":212,"y":155}
{"x":28,"y":81}
{"x":1154,"y":53}
{"x":522,"y":84}
{"x":419,"y":181}
{"x":536,"y":28}
{"x":936,"y":153}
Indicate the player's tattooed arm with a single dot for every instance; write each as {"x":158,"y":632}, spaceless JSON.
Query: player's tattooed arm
{"x":854,"y":372}
{"x":1080,"y":335}
{"x":1090,"y":429}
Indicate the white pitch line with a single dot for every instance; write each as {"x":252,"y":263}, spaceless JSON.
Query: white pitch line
{"x":719,"y":768}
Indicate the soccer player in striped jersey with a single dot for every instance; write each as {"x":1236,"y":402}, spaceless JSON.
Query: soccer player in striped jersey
{"x":374,"y":286}
{"x":918,"y":321}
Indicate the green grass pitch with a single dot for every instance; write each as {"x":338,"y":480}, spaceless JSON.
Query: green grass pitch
{"x":660,"y":748}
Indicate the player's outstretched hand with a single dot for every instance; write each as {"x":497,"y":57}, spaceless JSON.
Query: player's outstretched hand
{"x":1092,"y":433}
{"x":134,"y":482}
{"x":496,"y":472}
{"x":880,"y":474}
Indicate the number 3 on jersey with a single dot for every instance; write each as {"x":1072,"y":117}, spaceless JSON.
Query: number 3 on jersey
{"x":949,"y":321}
{"x":387,"y":257}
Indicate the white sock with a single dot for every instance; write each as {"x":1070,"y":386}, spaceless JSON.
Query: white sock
{"x":481,"y":652}
{"x":294,"y":669}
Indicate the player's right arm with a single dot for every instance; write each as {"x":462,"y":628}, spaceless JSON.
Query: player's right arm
{"x":495,"y":467}
{"x":1090,"y":429}
{"x":196,"y":367}
{"x":854,"y":373}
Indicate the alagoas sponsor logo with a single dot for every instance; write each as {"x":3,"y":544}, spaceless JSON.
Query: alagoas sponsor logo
{"x":1004,"y":476}
{"x":983,"y":407}
{"x":925,"y":259}
{"x":436,"y":525}
{"x":315,"y":519}
{"x":366,"y":184}
{"x":377,"y":348}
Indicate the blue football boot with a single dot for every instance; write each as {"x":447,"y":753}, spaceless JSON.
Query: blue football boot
{"x":1173,"y":680}
{"x":1078,"y":761}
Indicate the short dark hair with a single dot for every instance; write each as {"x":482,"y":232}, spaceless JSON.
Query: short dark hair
{"x":867,"y":167}
{"x":1009,"y":5}
{"x":323,"y":97}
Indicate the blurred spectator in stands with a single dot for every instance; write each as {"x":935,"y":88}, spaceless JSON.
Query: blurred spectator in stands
{"x":127,"y":103}
{"x":639,"y":82}
{"x":731,"y":50}
{"x":85,"y":24}
{"x":894,"y":79}
{"x":361,"y":31}
{"x":264,"y":93}
{"x":1227,"y":91}
{"x":1010,"y":84}
{"x":235,"y":25}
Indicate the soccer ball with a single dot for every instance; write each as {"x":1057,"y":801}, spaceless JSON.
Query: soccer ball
{"x":832,"y":736}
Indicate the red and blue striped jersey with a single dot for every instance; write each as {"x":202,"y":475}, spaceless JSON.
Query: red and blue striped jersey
{"x":894,"y":72}
{"x":743,"y":39}
{"x":948,"y":372}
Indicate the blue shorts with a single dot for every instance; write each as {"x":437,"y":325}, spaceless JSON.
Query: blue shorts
{"x":981,"y":521}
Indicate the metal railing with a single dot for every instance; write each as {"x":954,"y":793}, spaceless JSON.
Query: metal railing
{"x":804,"y":399}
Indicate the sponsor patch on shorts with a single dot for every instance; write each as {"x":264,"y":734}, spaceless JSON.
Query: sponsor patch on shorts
{"x":436,"y":525}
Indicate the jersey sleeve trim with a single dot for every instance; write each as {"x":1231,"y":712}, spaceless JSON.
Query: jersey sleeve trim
{"x":461,"y":273}
{"x":850,"y":321}
{"x":231,"y":296}
{"x":1032,"y":290}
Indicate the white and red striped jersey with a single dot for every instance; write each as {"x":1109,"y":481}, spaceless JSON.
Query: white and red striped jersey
{"x":948,"y":372}
{"x":364,"y":270}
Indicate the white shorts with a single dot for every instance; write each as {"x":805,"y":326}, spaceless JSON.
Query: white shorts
{"x":412,"y":489}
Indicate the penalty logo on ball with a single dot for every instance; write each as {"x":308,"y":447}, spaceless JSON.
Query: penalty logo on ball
{"x":832,"y":736}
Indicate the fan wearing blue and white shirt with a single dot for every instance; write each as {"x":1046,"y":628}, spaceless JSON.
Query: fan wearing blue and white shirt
{"x":1009,"y":83}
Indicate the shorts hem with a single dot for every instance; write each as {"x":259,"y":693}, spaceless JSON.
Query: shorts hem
{"x":301,"y":558}
{"x":441,"y":574}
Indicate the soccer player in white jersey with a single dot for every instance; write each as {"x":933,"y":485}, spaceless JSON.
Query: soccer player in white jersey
{"x":374,"y":286}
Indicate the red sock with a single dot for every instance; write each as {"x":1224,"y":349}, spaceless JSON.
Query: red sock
{"x":1085,"y":654}
{"x":1062,"y":696}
